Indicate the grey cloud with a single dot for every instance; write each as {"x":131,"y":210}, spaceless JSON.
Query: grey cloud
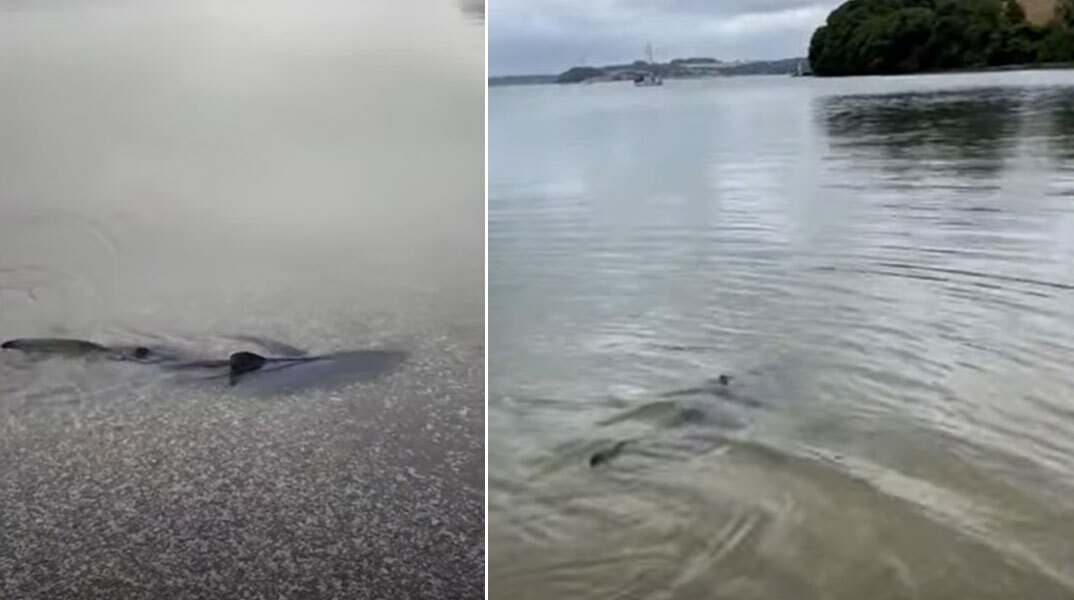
{"x":726,"y":8}
{"x":548,"y":36}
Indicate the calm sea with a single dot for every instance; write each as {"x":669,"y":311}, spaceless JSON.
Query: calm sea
{"x":885,"y":269}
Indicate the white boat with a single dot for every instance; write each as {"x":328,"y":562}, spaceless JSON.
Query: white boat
{"x":652,"y":78}
{"x":647,"y":80}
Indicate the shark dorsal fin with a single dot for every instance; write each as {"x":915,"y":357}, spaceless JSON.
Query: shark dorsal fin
{"x":244,"y":362}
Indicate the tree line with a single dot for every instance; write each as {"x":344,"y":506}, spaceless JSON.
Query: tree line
{"x":873,"y":37}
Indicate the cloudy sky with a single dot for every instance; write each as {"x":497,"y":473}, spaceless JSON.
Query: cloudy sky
{"x":549,"y":36}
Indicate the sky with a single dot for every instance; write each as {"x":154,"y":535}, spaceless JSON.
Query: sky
{"x":550,"y":36}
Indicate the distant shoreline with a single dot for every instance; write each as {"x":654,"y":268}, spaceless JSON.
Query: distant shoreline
{"x":551,"y":79}
{"x":679,"y":68}
{"x":516,"y":80}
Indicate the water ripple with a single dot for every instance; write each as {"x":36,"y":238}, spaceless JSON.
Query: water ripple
{"x":884,"y":264}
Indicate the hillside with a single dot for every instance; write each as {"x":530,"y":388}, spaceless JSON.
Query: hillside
{"x":885,"y":37}
{"x":1039,"y":12}
{"x":681,"y":68}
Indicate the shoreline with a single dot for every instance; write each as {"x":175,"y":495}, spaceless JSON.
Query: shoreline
{"x":501,"y":82}
{"x":511,"y":81}
{"x":1051,"y":66}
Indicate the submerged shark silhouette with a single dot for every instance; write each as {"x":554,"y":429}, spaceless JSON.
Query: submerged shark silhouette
{"x":669,"y":412}
{"x":363,"y":363}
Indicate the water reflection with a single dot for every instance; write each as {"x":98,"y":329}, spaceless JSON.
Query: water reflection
{"x":1061,"y":109}
{"x":972,"y":131}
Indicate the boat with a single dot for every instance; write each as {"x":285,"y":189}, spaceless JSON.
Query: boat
{"x":652,"y":78}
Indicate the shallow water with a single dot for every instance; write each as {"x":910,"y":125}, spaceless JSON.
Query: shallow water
{"x":208,"y":176}
{"x":885,"y":266}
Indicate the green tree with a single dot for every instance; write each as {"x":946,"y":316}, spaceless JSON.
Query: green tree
{"x":1056,"y":45}
{"x":1013,"y":12}
{"x":900,"y":36}
{"x":1065,"y":13}
{"x":857,"y":34}
{"x":1020,"y":45}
